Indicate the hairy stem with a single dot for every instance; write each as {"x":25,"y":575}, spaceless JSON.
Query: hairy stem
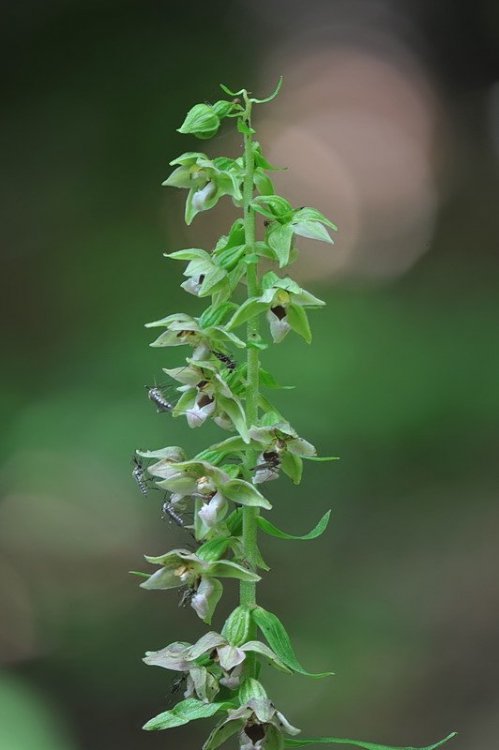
{"x":248,"y":590}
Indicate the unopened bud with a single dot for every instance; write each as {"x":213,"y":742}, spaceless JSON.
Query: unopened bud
{"x":237,"y":626}
{"x":201,"y":121}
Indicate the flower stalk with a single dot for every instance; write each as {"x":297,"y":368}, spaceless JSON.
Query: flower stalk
{"x":224,"y":487}
{"x":248,"y":589}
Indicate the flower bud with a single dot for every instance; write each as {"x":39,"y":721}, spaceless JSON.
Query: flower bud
{"x":237,"y":626}
{"x":222,"y":107}
{"x":202,"y":121}
{"x":252,"y":690}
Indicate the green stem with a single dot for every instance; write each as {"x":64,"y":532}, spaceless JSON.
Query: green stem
{"x":247,"y":589}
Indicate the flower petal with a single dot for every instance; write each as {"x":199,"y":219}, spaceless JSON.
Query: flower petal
{"x":171,"y":657}
{"x":230,"y":657}
{"x":206,"y":598}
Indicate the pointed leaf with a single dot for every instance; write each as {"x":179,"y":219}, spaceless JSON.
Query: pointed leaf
{"x":259,"y":561}
{"x":243,"y":127}
{"x":272,"y":530}
{"x":272,"y":95}
{"x":263,"y":183}
{"x":188,"y":710}
{"x":262,"y":162}
{"x":278,"y":640}
{"x":229,"y":92}
{"x":268,"y":380}
{"x":257,"y":647}
{"x":360,"y":743}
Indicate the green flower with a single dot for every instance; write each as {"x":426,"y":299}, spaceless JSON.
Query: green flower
{"x":206,"y":394}
{"x":225,"y":659}
{"x":259,"y":724}
{"x":285,"y":222}
{"x":181,"y":568}
{"x":201,"y":480}
{"x":199,"y":681}
{"x":206,"y":179}
{"x":284,"y":303}
{"x":282,"y":447}
{"x":203,"y":120}
{"x":182,"y":329}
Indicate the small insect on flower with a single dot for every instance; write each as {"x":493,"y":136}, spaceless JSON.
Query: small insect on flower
{"x":170,"y":512}
{"x":187,"y":596}
{"x":139,"y":474}
{"x":271,"y":460}
{"x":158,"y":399}
{"x":225,"y":359}
{"x":178,"y":684}
{"x":268,"y":468}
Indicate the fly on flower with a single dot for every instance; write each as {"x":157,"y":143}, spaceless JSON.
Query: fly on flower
{"x":139,"y":474}
{"x":158,"y":398}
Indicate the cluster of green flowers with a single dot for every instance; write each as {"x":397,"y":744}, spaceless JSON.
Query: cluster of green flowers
{"x":221,"y":486}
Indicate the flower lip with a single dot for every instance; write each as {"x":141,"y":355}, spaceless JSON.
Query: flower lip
{"x":255,"y":731}
{"x":279,"y":311}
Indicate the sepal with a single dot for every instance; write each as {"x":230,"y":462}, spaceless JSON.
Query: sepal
{"x":188,"y":710}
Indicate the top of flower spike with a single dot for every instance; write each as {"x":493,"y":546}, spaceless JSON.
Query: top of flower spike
{"x":204,"y":120}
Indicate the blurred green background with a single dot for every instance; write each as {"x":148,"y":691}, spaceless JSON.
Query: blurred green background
{"x":388,"y":121}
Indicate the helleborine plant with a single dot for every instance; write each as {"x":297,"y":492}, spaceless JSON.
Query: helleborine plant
{"x":221,"y":487}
